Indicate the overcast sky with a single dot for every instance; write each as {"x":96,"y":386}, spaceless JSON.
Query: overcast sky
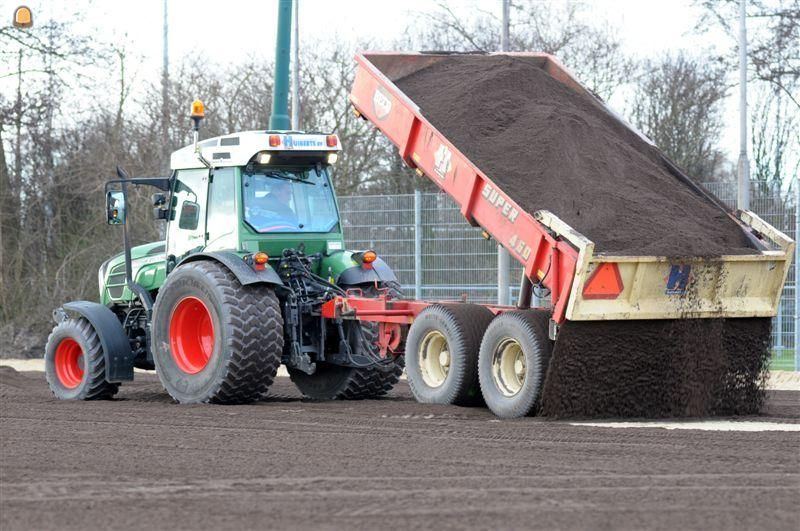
{"x":226,"y":30}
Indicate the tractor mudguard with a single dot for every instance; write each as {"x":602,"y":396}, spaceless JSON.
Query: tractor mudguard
{"x":379,"y":272}
{"x":241,"y":270}
{"x":116,"y":347}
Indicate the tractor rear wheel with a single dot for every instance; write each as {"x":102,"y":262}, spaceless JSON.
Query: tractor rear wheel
{"x":514,"y":357}
{"x":75,"y":367}
{"x":215,"y":340}
{"x":442,"y":353}
{"x":332,"y":382}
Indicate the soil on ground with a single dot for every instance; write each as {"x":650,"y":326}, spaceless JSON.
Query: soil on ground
{"x":549,"y":147}
{"x":143,"y":462}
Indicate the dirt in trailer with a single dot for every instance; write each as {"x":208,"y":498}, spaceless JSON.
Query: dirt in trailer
{"x":142,"y":462}
{"x":549,"y":147}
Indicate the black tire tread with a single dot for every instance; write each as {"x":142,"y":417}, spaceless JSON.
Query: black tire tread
{"x":535,"y":324}
{"x":255,"y":338}
{"x":471,"y":321}
{"x":95,"y":387}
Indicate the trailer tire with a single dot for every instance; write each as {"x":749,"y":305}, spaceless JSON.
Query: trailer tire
{"x":442,"y":353}
{"x":335,"y":382}
{"x":215,"y":340}
{"x":514,"y":356}
{"x":75,"y":366}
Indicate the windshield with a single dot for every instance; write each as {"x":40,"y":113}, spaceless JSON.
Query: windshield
{"x":289,"y":200}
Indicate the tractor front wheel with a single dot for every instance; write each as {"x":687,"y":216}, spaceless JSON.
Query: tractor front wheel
{"x":215,"y":340}
{"x":75,"y":366}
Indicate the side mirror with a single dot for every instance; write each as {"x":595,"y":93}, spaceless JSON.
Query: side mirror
{"x":115,"y":208}
{"x":159,"y":201}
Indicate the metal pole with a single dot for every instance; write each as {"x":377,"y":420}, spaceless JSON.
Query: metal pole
{"x":165,"y":91}
{"x":743,"y":197}
{"x":280,"y":89}
{"x":417,"y":244}
{"x":504,"y":33}
{"x":503,"y":258}
{"x":296,"y":69}
{"x":796,"y":273}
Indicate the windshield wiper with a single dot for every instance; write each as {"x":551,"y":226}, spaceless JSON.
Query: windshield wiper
{"x":277,"y":175}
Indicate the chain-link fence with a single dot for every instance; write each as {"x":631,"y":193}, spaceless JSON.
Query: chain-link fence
{"x":438,"y":256}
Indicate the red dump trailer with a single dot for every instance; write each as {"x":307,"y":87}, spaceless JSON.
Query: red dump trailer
{"x":584,"y":285}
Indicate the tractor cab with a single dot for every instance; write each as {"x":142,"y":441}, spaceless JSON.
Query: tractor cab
{"x":255,"y":191}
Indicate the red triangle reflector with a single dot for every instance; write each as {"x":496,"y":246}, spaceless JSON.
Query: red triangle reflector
{"x":603,"y":283}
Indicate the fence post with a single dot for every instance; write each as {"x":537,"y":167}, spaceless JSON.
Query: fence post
{"x":417,"y":244}
{"x":503,"y":275}
{"x":796,"y":271}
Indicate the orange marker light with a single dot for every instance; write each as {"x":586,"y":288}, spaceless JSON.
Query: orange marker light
{"x":274,"y":140}
{"x":23,"y":18}
{"x":369,"y":256}
{"x":260,"y":260}
{"x":331,"y":140}
{"x":198,"y":109}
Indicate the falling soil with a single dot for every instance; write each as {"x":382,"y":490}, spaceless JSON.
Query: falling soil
{"x":550,"y":147}
{"x":660,"y":368}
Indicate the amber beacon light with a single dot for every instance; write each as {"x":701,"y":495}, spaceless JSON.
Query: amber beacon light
{"x":23,"y":18}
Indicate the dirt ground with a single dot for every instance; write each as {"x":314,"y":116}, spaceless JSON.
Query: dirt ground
{"x":143,"y":462}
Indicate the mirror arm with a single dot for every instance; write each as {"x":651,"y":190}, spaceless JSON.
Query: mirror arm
{"x":140,"y":292}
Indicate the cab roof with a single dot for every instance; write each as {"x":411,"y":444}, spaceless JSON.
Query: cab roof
{"x":237,"y":149}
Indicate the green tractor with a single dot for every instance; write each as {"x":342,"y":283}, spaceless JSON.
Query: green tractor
{"x":253,"y":249}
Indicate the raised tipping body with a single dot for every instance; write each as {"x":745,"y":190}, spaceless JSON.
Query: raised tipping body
{"x":585,"y":282}
{"x":640,"y":309}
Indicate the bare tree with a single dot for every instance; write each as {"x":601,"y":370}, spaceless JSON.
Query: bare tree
{"x":592,"y":50}
{"x":678,"y":105}
{"x":773,"y":35}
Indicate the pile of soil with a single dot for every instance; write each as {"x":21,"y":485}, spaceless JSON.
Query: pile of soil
{"x":664,"y":368}
{"x":550,"y":147}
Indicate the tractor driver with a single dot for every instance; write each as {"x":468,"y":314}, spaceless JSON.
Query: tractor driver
{"x":276,"y":203}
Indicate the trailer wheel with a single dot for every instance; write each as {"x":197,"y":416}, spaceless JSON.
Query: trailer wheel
{"x":442,"y":353}
{"x":75,"y":368}
{"x":514,"y":356}
{"x":215,"y":340}
{"x":332,"y":382}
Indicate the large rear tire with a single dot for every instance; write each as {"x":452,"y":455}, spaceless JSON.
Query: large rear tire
{"x":442,"y":353}
{"x":215,"y":340}
{"x":515,"y":353}
{"x":75,"y":366}
{"x":335,"y":382}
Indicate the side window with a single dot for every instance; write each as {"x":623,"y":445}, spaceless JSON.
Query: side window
{"x":222,"y":222}
{"x":187,"y":218}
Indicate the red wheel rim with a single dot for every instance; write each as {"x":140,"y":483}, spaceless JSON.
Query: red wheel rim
{"x":191,"y":335}
{"x":69,"y":363}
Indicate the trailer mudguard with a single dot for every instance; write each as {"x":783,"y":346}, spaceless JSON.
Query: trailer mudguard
{"x":379,"y":272}
{"x":116,"y":347}
{"x":242,"y":271}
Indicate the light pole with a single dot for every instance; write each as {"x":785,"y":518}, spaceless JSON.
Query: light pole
{"x":165,"y":90}
{"x":296,"y":69}
{"x":503,"y":258}
{"x":743,"y":196}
